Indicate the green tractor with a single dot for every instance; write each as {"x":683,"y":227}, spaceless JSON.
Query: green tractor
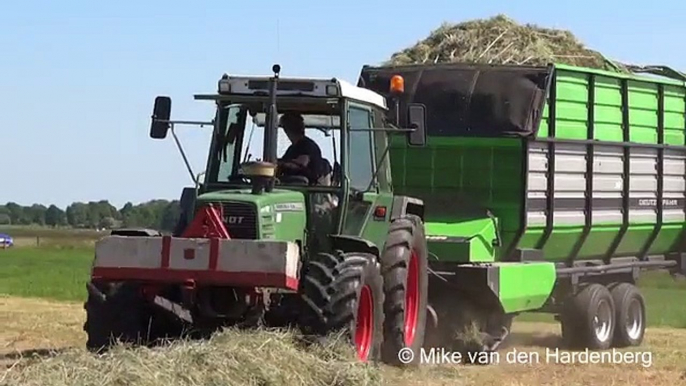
{"x":257,"y":245}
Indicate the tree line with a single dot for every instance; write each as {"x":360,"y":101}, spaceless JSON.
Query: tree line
{"x":155,"y":214}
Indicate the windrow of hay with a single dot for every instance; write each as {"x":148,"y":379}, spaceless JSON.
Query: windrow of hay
{"x":262,"y":357}
{"x":501,"y":40}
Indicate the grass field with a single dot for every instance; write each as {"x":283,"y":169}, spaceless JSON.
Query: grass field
{"x":51,"y":237}
{"x":42,"y":289}
{"x":59,"y":271}
{"x":41,"y":343}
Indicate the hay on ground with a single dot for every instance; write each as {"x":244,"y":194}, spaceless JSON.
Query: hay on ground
{"x":262,"y":358}
{"x":501,"y":40}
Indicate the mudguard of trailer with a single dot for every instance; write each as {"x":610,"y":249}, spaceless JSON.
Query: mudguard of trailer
{"x":517,"y":287}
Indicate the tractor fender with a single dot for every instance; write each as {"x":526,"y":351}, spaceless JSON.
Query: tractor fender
{"x":353,"y":244}
{"x":404,"y":205}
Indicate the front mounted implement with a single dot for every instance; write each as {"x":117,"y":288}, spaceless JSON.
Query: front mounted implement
{"x":205,"y":254}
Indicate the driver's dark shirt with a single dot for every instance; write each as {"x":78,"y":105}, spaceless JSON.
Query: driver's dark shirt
{"x":308,"y":147}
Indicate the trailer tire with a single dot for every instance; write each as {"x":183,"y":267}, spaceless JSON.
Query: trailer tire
{"x":578,"y":319}
{"x":404,"y":265}
{"x":343,"y":292}
{"x":630,"y":315}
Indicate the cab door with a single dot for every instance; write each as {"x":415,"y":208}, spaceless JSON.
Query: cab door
{"x":369,"y":198}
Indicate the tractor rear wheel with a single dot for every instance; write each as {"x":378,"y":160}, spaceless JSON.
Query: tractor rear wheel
{"x":404,"y":265}
{"x":344,"y":292}
{"x":123,"y":315}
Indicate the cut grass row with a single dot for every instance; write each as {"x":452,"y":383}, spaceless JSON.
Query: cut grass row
{"x":60,"y":273}
{"x":274,"y":358}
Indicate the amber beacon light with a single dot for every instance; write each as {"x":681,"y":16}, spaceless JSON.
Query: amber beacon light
{"x":397,"y":84}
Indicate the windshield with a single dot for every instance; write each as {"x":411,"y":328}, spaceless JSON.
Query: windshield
{"x":240,"y":134}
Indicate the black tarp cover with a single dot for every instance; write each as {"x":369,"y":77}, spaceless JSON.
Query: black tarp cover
{"x":469,"y":99}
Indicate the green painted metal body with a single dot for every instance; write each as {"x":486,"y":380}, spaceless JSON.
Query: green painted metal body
{"x":512,"y":284}
{"x":525,"y":286}
{"x":470,"y":240}
{"x":585,"y":184}
{"x":508,"y":176}
{"x":281,"y":213}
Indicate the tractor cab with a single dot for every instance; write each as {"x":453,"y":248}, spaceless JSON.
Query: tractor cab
{"x":325,"y":139}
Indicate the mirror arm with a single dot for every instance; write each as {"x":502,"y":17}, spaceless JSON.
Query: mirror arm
{"x":183,"y":154}
{"x":378,"y":167}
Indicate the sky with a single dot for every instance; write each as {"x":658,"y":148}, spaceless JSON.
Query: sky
{"x":78,"y":78}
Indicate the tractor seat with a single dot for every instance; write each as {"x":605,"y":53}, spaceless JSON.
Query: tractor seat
{"x":326,"y":178}
{"x":336,"y":174}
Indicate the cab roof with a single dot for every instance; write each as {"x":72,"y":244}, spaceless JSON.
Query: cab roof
{"x":293,"y":86}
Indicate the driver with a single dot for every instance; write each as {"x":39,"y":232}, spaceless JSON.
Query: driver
{"x":303,"y":157}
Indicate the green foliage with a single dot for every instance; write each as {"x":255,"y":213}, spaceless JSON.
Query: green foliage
{"x":156,"y":214}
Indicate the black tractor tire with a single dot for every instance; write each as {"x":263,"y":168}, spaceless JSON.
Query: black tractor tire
{"x":116,"y":317}
{"x":630,"y":315}
{"x":335,"y":288}
{"x":579,"y":313}
{"x":124,"y":316}
{"x":404,"y":266}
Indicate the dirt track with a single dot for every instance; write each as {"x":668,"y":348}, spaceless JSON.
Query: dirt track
{"x":37,"y":327}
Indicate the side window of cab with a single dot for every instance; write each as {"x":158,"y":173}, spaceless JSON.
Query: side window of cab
{"x":360,"y":159}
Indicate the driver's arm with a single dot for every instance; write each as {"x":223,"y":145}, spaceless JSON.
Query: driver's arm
{"x":296,"y":163}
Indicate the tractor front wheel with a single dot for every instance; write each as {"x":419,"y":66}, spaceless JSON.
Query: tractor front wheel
{"x":404,"y":264}
{"x":123,"y":315}
{"x":344,"y":292}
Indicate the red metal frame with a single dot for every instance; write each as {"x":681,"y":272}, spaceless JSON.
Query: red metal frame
{"x":207,"y":223}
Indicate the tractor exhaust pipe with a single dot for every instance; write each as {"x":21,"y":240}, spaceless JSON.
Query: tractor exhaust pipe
{"x":271,"y":124}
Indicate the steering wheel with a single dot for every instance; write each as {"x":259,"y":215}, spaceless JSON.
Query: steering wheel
{"x":239,"y":178}
{"x":283,"y":178}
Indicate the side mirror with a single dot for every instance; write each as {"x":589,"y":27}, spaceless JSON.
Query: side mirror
{"x":160,"y":118}
{"x":416,"y":119}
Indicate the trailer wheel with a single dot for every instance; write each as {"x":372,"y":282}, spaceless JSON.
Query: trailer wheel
{"x":630,"y":315}
{"x":588,"y":318}
{"x":344,"y":293}
{"x":404,"y":264}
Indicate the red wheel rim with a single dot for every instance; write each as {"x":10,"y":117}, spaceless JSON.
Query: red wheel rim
{"x":411,"y":299}
{"x":364,"y":327}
